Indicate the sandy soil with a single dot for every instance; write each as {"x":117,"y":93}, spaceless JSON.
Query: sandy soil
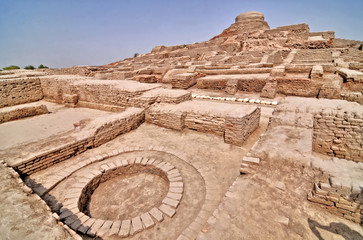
{"x":59,"y":120}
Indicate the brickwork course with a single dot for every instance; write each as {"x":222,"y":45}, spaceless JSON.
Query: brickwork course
{"x":254,"y":134}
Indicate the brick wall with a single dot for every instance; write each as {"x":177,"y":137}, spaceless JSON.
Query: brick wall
{"x":339,"y":133}
{"x":55,"y":87}
{"x":235,"y":124}
{"x":343,"y":201}
{"x":14,"y":113}
{"x":298,"y":87}
{"x":238,"y":129}
{"x":98,"y":132}
{"x":107,"y":94}
{"x":19,"y":91}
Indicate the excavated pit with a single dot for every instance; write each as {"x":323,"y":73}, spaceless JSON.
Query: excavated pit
{"x":135,"y":189}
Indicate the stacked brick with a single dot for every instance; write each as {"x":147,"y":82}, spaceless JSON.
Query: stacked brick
{"x":123,"y":123}
{"x":231,"y":87}
{"x":304,"y":87}
{"x":269,"y":90}
{"x":339,"y":133}
{"x":183,"y":80}
{"x":161,"y":95}
{"x":249,"y":165}
{"x":53,"y":156}
{"x":74,"y":211}
{"x":55,"y":87}
{"x":238,"y":129}
{"x":110,"y":92}
{"x":207,"y":123}
{"x":18,"y":91}
{"x":345,"y":201}
{"x":107,"y":94}
{"x":97,"y":133}
{"x":166,"y":116}
{"x":235,"y":124}
{"x":22,"y":111}
{"x":144,"y":78}
{"x":245,"y":82}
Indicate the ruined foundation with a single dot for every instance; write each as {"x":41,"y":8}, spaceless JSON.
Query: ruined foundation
{"x":255,"y":133}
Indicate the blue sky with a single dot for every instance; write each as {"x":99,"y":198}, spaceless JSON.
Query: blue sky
{"x":62,"y":33}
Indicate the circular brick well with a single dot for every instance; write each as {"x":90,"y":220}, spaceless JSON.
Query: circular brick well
{"x":125,"y":192}
{"x":123,"y":197}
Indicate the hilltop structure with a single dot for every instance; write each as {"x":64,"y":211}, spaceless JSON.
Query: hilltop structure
{"x":255,"y":133}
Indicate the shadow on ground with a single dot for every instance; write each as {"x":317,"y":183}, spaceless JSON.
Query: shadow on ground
{"x":335,"y":227}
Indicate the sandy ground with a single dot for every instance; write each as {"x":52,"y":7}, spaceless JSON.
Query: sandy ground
{"x":131,"y":195}
{"x":21,"y":212}
{"x":59,"y":120}
{"x":219,"y":162}
{"x":217,"y":203}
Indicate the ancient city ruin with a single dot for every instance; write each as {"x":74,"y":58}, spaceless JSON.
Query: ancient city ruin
{"x":256,"y":133}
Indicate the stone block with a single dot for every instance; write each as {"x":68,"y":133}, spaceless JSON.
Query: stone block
{"x":95,"y":227}
{"x":136,"y":224}
{"x":115,"y":228}
{"x":171,"y":202}
{"x":170,"y":212}
{"x":125,"y":228}
{"x":157,"y":214}
{"x":147,"y":220}
{"x":105,"y":228}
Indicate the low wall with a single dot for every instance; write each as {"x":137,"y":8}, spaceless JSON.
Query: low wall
{"x":298,"y":87}
{"x":54,"y":87}
{"x":19,"y":91}
{"x":107,"y":94}
{"x":341,"y":200}
{"x":248,"y":83}
{"x":325,"y":35}
{"x":339,"y":133}
{"x":161,"y":95}
{"x":13,"y":113}
{"x":96,"y":133}
{"x":235,"y":124}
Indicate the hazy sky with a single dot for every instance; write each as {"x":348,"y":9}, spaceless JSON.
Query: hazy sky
{"x":62,"y":33}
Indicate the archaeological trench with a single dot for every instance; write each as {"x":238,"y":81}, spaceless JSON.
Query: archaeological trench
{"x":254,"y":134}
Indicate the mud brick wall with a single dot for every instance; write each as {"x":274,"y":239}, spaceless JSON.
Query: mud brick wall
{"x":183,"y":80}
{"x":325,"y":35}
{"x":205,"y":123}
{"x":239,"y":129}
{"x":211,"y":84}
{"x":175,"y":99}
{"x":166,"y":119}
{"x":105,"y":130}
{"x":234,"y":127}
{"x":160,"y":96}
{"x":111,"y":130}
{"x":55,"y":156}
{"x":19,"y":91}
{"x":339,"y":133}
{"x":253,"y":85}
{"x":313,"y":55}
{"x":55,"y":87}
{"x":346,"y":202}
{"x":23,"y":112}
{"x":297,"y":31}
{"x":298,"y":87}
{"x":58,"y":88}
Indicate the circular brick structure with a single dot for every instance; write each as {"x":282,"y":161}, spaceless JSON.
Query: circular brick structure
{"x":76,"y":209}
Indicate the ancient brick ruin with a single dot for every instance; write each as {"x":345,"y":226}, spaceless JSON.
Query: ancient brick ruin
{"x":191,"y":131}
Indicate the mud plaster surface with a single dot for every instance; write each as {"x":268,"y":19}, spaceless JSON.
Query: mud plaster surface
{"x":59,"y":120}
{"x":131,"y":195}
